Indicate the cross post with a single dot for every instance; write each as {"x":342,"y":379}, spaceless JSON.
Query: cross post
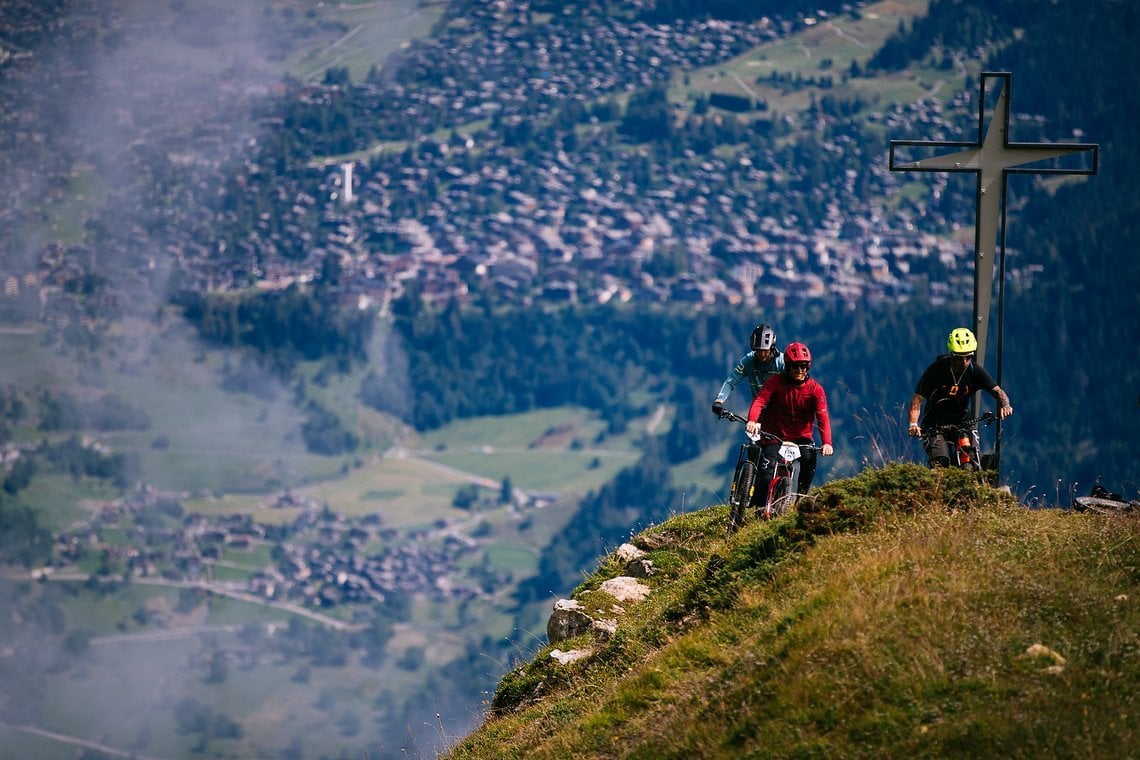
{"x":992,"y":157}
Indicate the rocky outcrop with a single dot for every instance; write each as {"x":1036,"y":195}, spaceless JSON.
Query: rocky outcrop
{"x":570,"y":617}
{"x":568,"y":620}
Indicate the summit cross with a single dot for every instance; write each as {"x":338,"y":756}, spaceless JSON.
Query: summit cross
{"x":992,"y":157}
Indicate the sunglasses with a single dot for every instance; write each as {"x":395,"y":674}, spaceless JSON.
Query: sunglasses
{"x":963,"y":357}
{"x":797,"y":366}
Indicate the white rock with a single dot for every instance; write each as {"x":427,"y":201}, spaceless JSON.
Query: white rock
{"x":605,"y":628}
{"x":1040,"y":650}
{"x":628,"y":553}
{"x":572,"y":656}
{"x":625,"y":589}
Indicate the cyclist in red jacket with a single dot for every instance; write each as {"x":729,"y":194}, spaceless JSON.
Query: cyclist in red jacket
{"x":786,"y":406}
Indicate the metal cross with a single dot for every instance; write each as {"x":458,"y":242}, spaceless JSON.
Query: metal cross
{"x":992,"y":157}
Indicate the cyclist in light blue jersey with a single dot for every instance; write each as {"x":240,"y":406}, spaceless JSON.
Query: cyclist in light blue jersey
{"x":763,"y":361}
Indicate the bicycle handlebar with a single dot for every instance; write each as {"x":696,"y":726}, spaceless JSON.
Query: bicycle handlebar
{"x":724,"y":414}
{"x":986,"y":417}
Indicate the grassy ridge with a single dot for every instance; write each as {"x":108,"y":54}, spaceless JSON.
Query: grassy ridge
{"x":896,"y":615}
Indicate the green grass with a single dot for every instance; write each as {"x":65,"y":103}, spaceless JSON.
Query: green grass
{"x":376,"y":30}
{"x":211,"y":439}
{"x":24,"y":363}
{"x":111,"y":613}
{"x":256,"y":556}
{"x":826,"y":49}
{"x":516,"y":430}
{"x":541,"y":470}
{"x":515,"y":558}
{"x":64,"y":216}
{"x":543,"y":450}
{"x":893,"y":616}
{"x":60,"y":501}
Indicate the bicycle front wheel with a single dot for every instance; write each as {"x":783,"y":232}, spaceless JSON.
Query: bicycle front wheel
{"x":781,"y":496}
{"x":741,"y":496}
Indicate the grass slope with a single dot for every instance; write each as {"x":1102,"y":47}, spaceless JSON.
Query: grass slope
{"x":824,"y":51}
{"x":901,"y":613}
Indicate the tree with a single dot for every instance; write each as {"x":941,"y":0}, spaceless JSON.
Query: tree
{"x":648,"y":116}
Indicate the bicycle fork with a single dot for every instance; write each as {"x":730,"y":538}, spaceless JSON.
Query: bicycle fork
{"x":778,"y":496}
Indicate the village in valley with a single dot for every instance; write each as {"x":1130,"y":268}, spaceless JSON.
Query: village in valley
{"x":482,"y":187}
{"x":320,"y":558}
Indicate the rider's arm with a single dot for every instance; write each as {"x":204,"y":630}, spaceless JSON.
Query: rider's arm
{"x":986,"y":381}
{"x":823,"y":420}
{"x":913,"y":412}
{"x":732,"y":380}
{"x":1004,"y":407}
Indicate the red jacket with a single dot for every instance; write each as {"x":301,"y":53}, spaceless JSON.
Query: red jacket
{"x":786,"y":409}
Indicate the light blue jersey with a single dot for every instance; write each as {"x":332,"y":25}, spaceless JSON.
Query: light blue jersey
{"x":756,"y":372}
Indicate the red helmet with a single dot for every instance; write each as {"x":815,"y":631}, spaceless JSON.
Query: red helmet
{"x":797,"y":353}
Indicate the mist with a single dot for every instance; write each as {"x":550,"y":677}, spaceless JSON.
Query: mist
{"x":121,"y":114}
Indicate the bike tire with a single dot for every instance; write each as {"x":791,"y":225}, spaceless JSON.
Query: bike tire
{"x":741,"y":495}
{"x":975,"y":463}
{"x":782,"y":496}
{"x":1101,"y":506}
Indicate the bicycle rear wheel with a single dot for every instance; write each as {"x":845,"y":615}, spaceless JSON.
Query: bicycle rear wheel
{"x":741,"y":496}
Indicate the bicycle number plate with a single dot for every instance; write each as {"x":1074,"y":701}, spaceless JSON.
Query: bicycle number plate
{"x":789,"y":452}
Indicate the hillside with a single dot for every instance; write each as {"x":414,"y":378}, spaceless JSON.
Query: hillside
{"x":902,"y":613}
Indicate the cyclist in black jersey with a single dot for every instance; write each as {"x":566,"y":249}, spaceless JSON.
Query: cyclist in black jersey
{"x":947,"y":386}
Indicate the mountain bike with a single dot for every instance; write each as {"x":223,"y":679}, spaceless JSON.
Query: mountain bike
{"x":770,"y":499}
{"x":962,"y":442}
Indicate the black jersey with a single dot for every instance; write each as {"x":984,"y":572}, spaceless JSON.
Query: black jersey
{"x":948,"y":393}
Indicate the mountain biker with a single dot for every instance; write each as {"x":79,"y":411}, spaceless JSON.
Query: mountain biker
{"x":786,"y":405}
{"x":947,"y":386}
{"x":763,"y":361}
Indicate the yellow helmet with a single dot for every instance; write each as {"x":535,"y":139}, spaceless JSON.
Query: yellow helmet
{"x":961,"y":341}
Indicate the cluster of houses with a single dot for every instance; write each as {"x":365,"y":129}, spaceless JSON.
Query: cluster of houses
{"x":318,"y":559}
{"x":587,"y":218}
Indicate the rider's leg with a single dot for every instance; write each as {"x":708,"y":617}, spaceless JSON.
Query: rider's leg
{"x":937,"y":452}
{"x":807,"y":470}
{"x":766,"y":470}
